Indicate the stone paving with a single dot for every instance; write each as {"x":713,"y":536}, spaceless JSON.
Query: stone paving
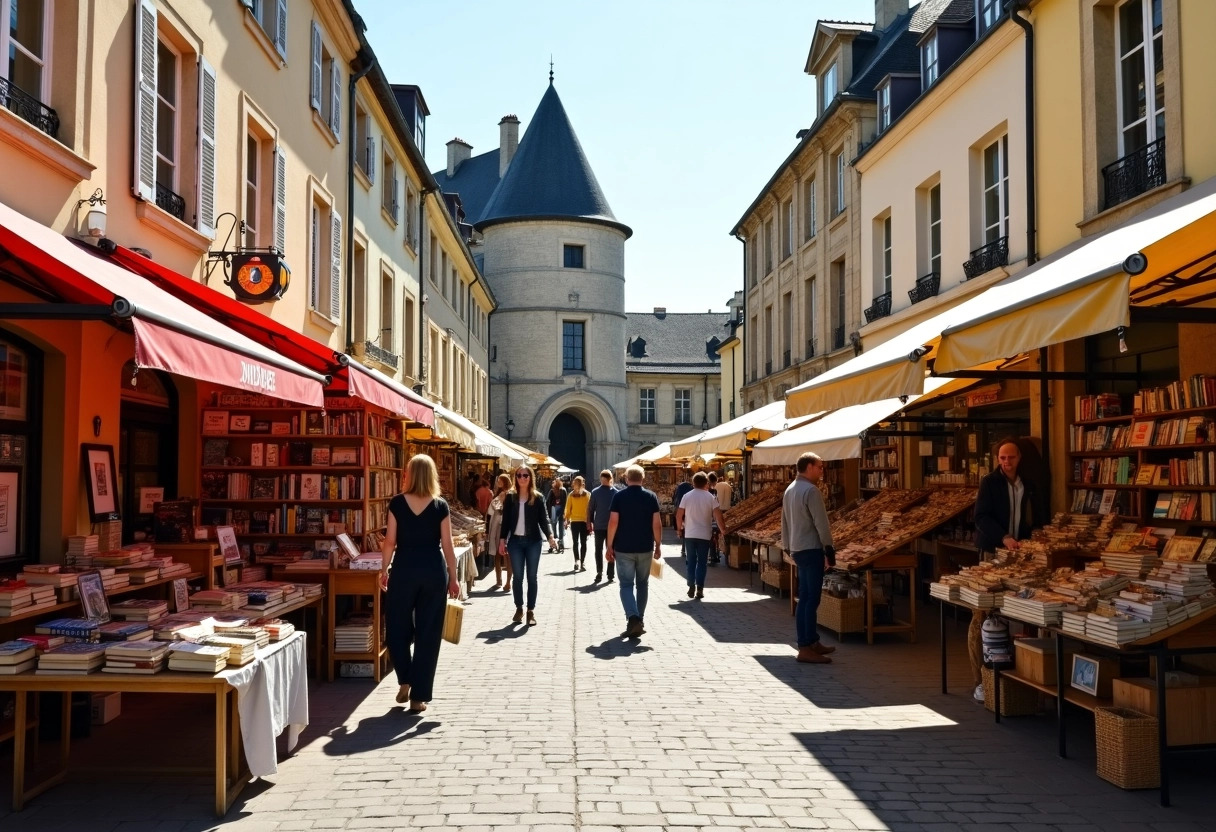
{"x":707,"y":724}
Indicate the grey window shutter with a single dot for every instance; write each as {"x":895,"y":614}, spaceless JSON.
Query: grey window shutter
{"x":206,"y":147}
{"x":371,"y":158}
{"x":280,"y":28}
{"x":335,"y":270}
{"x":314,"y":82}
{"x":335,"y":107}
{"x":314,"y":239}
{"x":396,"y":206}
{"x":280,"y":199}
{"x":144,"y":180}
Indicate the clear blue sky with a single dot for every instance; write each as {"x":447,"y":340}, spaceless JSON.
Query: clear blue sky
{"x":683,"y":107}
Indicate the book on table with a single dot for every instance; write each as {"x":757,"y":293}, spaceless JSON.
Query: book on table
{"x":16,"y":652}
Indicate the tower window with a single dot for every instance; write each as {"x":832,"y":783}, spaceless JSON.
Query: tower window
{"x":572,"y":256}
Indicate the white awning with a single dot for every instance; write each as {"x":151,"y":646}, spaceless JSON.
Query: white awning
{"x":733,"y":435}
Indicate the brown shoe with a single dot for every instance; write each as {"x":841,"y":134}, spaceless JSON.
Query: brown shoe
{"x":822,"y":649}
{"x":519,"y":615}
{"x":807,"y":655}
{"x":531,"y":618}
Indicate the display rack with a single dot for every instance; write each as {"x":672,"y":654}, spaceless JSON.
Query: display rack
{"x":879,"y":467}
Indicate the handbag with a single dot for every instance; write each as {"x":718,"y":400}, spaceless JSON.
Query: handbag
{"x":453,"y":618}
{"x":656,"y":569}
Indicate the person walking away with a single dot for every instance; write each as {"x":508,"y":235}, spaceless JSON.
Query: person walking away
{"x":635,"y":530}
{"x":483,"y":495}
{"x":806,"y":535}
{"x":577,"y":504}
{"x":419,"y":562}
{"x":525,"y":524}
{"x":557,"y":514}
{"x":724,"y":492}
{"x":695,"y":516}
{"x":1008,"y":507}
{"x":502,"y":484}
{"x":597,"y":515}
{"x":682,"y":489}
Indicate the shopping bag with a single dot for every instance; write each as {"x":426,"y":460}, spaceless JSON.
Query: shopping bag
{"x":453,"y":618}
{"x":656,"y":568}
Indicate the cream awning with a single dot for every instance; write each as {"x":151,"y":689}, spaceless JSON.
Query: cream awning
{"x":734,"y":435}
{"x":1078,"y":291}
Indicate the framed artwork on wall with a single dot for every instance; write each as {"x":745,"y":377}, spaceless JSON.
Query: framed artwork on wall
{"x":101,"y":484}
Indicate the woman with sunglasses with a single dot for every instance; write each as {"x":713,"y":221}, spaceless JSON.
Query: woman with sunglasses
{"x":525,"y":524}
{"x":502,"y":485}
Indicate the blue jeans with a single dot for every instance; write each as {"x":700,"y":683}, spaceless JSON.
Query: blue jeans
{"x":810,"y":586}
{"x":525,"y":560}
{"x":633,"y":568}
{"x":557,"y":520}
{"x":698,"y":560}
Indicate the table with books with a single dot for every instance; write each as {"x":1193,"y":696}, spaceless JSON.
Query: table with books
{"x":259,"y":691}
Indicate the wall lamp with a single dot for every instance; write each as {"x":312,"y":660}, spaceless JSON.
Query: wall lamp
{"x":510,"y":427}
{"x":95,"y":218}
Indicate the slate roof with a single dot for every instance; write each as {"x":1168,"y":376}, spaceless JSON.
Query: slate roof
{"x":474,"y":181}
{"x":675,"y":343}
{"x":549,"y":177}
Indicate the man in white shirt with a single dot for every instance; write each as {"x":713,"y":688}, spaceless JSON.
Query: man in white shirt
{"x":695,"y":515}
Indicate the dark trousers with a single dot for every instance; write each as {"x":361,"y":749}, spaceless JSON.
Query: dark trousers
{"x":578,"y":540}
{"x":810,"y":587}
{"x":415,"y":605}
{"x":601,"y":535}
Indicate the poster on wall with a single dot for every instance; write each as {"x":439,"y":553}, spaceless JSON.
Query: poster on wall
{"x":10,"y":512}
{"x":101,"y":482}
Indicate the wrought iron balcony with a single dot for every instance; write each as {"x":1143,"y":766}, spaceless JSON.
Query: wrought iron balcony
{"x":987,"y":257}
{"x":29,"y":108}
{"x":1137,"y":172}
{"x":768,"y":368}
{"x":926,"y":287}
{"x":880,"y":308}
{"x":810,"y":347}
{"x":170,"y":202}
{"x":381,"y":355}
{"x":838,"y":337}
{"x":785,"y":359}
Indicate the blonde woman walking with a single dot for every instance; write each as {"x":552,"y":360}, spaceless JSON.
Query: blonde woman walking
{"x":525,"y":524}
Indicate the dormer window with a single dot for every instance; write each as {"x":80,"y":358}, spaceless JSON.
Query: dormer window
{"x":884,"y":106}
{"x":827,"y":87}
{"x":711,"y":346}
{"x":928,"y":62}
{"x":987,"y":12}
{"x":636,"y":348}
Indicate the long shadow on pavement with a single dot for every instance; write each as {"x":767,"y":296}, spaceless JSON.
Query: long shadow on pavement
{"x":378,"y":732}
{"x":618,"y":647}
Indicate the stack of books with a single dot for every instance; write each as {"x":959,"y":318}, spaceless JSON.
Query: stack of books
{"x":112,"y":579}
{"x":17,"y":657}
{"x":1040,"y":607}
{"x":139,"y":609}
{"x":977,"y":598}
{"x":61,"y":581}
{"x":140,"y":573}
{"x":1073,"y":622}
{"x":1148,"y":606}
{"x":1135,"y":565}
{"x":72,"y":659}
{"x":1115,"y":630}
{"x":15,"y":597}
{"x":42,"y":643}
{"x":947,"y":592}
{"x":117,"y":558}
{"x":72,"y":629}
{"x":1180,"y":579}
{"x":197,"y":658}
{"x":214,"y":600}
{"x":355,"y":635}
{"x":109,"y":535}
{"x":240,"y":651}
{"x":144,"y":657}
{"x":276,"y":628}
{"x":181,"y":626}
{"x":174,"y":569}
{"x":125,"y":631}
{"x":81,"y":549}
{"x":259,"y":636}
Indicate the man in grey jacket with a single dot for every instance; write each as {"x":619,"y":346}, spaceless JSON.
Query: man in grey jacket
{"x":806,"y":535}
{"x":597,"y":516}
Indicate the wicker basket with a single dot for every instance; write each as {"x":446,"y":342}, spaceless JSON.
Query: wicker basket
{"x":1127,"y":748}
{"x":776,"y":575}
{"x":842,"y":615}
{"x":1016,"y":699}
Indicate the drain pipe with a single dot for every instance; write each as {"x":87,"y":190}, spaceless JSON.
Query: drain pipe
{"x":365,"y":60}
{"x":1016,"y":6}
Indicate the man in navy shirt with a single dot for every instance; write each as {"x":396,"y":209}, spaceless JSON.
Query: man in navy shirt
{"x":635,"y":531}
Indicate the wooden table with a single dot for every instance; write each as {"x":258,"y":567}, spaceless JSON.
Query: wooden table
{"x":229,"y":775}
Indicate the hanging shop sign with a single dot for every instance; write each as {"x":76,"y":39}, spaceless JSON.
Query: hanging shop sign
{"x":259,"y":277}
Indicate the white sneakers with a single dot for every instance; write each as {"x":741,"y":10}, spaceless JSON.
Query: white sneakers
{"x":978,"y":695}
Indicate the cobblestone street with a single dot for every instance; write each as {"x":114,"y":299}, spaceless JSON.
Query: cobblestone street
{"x":706,"y":724}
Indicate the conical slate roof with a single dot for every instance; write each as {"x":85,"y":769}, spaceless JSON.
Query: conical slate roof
{"x":549,"y":177}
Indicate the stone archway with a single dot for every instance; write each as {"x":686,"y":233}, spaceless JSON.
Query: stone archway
{"x":568,"y":441}
{"x":602,"y":431}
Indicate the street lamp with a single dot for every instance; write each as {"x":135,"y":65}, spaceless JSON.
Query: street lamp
{"x":704,"y":423}
{"x":510,"y":427}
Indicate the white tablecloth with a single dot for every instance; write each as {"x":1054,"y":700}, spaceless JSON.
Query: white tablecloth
{"x":466,"y":566}
{"x":272,"y":695}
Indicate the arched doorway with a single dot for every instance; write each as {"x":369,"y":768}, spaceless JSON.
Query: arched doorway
{"x":568,"y":441}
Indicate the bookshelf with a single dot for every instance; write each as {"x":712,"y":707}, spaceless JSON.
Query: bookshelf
{"x":284,"y":477}
{"x":879,"y":467}
{"x":1155,"y":465}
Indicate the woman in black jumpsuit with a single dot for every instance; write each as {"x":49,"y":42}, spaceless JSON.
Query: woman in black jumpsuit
{"x":418,"y":545}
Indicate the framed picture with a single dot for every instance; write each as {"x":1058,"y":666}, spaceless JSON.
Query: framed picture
{"x":100,"y":482}
{"x":93,"y":596}
{"x":1085,"y":674}
{"x":215,"y":421}
{"x":226,"y":537}
{"x":181,"y":595}
{"x":239,"y":423}
{"x":149,"y":497}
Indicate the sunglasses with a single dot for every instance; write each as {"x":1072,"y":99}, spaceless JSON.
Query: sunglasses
{"x":523,"y":476}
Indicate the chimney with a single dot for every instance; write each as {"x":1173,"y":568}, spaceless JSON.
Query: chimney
{"x":885,"y":12}
{"x":660,"y":312}
{"x":508,"y":141}
{"x":458,"y":151}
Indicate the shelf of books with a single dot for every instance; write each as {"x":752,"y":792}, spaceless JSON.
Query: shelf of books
{"x":284,"y":477}
{"x":1154,"y":465}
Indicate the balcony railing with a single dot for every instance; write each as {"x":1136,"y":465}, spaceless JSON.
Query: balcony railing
{"x":838,"y":337}
{"x":380,"y":355}
{"x":785,"y":359}
{"x":1137,"y":172}
{"x":926,"y":287}
{"x":810,"y":347}
{"x":29,"y":108}
{"x":987,"y":257}
{"x":170,"y":202}
{"x":768,"y":368}
{"x":880,"y":308}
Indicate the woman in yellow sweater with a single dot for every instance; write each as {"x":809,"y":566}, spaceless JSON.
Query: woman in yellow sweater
{"x":576,"y":518}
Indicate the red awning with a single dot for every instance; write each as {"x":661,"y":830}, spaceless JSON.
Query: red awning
{"x":170,"y":335}
{"x":356,"y":379}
